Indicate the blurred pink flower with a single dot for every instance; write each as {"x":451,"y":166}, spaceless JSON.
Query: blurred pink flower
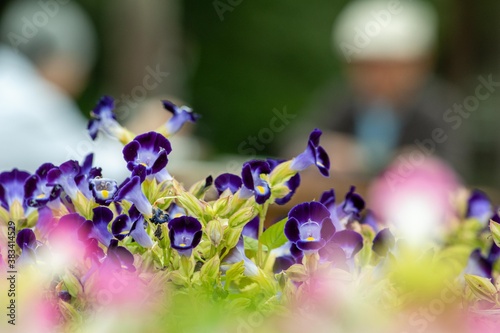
{"x":416,"y":198}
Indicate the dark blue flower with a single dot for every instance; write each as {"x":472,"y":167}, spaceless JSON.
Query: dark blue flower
{"x":345,"y":212}
{"x":103,"y":119}
{"x":26,"y":240}
{"x":131,"y":190}
{"x":119,"y":257}
{"x":185,"y":234}
{"x":64,"y":176}
{"x":480,"y":265}
{"x":313,"y":155}
{"x":479,"y":207}
{"x":349,"y":241}
{"x":180,"y":115}
{"x":98,"y":227}
{"x":132,"y":225}
{"x":176,"y":211}
{"x":309,"y":226}
{"x":383,"y":242}
{"x":371,"y":220}
{"x":147,"y":155}
{"x":251,"y":176}
{"x":352,"y":206}
{"x":236,"y":255}
{"x":37,"y":191}
{"x":87,"y":172}
{"x":342,"y":248}
{"x":103,"y":189}
{"x":292,"y":184}
{"x":283,"y":263}
{"x":12,"y":188}
{"x":251,"y":229}
{"x":228,"y":181}
{"x":286,"y":256}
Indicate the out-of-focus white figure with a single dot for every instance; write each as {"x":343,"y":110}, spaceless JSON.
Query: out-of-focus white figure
{"x":49,"y":55}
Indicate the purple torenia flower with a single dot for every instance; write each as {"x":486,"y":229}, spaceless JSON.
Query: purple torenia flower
{"x":309,"y":226}
{"x":64,"y":176}
{"x":103,"y":119}
{"x":480,"y":265}
{"x":293,"y":183}
{"x":103,"y":189}
{"x":181,"y":115}
{"x":283,"y":263}
{"x":383,"y":242}
{"x":237,"y":254}
{"x":132,"y":225}
{"x":98,"y":227}
{"x":345,"y":212}
{"x":352,"y":206}
{"x":36,"y":189}
{"x":251,"y":229}
{"x":313,"y":155}
{"x":371,"y":220}
{"x":119,"y":257}
{"x":26,"y":240}
{"x":479,"y":207}
{"x":147,"y":155}
{"x":228,"y":181}
{"x":131,"y":190}
{"x":12,"y":188}
{"x":342,"y":248}
{"x":251,"y":176}
{"x":185,"y":234}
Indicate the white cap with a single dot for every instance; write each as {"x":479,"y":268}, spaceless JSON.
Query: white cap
{"x":385,"y":30}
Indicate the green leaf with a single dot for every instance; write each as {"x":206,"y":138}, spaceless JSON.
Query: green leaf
{"x":251,"y":246}
{"x":495,"y":231}
{"x":274,"y":236}
{"x":481,"y":287}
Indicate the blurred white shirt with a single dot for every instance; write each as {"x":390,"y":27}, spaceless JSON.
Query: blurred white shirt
{"x":39,"y":124}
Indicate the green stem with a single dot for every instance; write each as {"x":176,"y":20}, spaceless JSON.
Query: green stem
{"x":262,"y":219}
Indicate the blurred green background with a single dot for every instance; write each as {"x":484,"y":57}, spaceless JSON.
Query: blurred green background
{"x":241,"y":59}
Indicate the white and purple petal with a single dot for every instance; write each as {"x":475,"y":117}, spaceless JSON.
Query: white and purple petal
{"x":180,"y":115}
{"x":479,"y":206}
{"x":131,"y":190}
{"x":314,"y":154}
{"x":12,"y":187}
{"x":185,"y":234}
{"x":228,"y":181}
{"x":350,"y":241}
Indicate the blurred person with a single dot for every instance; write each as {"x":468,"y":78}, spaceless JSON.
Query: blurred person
{"x":48,"y":52}
{"x":391,"y":106}
{"x":392,"y":101}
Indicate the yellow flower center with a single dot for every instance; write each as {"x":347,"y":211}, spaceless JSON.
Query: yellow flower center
{"x":182,"y":245}
{"x":310,"y":239}
{"x":261,"y":189}
{"x":105,"y":194}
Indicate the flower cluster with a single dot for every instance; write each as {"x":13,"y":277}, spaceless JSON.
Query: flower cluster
{"x":148,"y":244}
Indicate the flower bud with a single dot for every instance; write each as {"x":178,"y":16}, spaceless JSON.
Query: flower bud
{"x":215,"y":231}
